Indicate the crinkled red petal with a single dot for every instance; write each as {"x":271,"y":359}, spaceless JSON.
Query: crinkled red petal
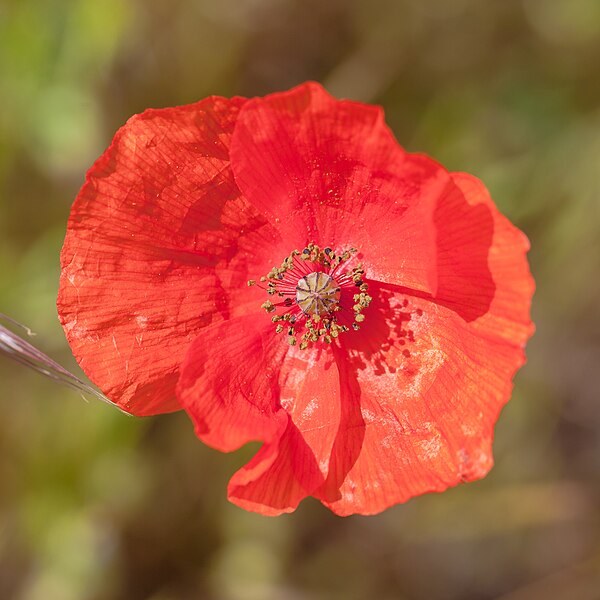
{"x":241,"y":382}
{"x":507,"y":317}
{"x":158,"y":212}
{"x":330,"y":171}
{"x":425,"y":383}
{"x":229,"y":383}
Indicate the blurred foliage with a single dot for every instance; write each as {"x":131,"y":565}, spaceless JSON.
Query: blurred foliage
{"x":95,"y":505}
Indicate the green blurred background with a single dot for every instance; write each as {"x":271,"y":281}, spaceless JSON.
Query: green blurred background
{"x":96,"y":505}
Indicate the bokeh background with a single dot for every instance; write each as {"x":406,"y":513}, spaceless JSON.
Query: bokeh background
{"x":96,"y":505}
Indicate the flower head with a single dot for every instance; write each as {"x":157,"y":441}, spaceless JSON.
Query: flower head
{"x":284,"y":271}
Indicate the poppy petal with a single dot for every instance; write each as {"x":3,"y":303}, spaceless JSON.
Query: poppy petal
{"x":430,"y":381}
{"x":279,"y":476}
{"x":145,"y":234}
{"x":240,"y":382}
{"x":331,"y":171}
{"x":226,"y":387}
{"x":507,"y":317}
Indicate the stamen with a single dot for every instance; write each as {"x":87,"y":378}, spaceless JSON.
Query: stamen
{"x":317,"y":295}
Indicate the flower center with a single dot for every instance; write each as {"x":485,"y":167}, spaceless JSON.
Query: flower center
{"x":319,"y":296}
{"x":317,"y":293}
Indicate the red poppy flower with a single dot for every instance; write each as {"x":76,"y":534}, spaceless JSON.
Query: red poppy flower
{"x":284,"y":271}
